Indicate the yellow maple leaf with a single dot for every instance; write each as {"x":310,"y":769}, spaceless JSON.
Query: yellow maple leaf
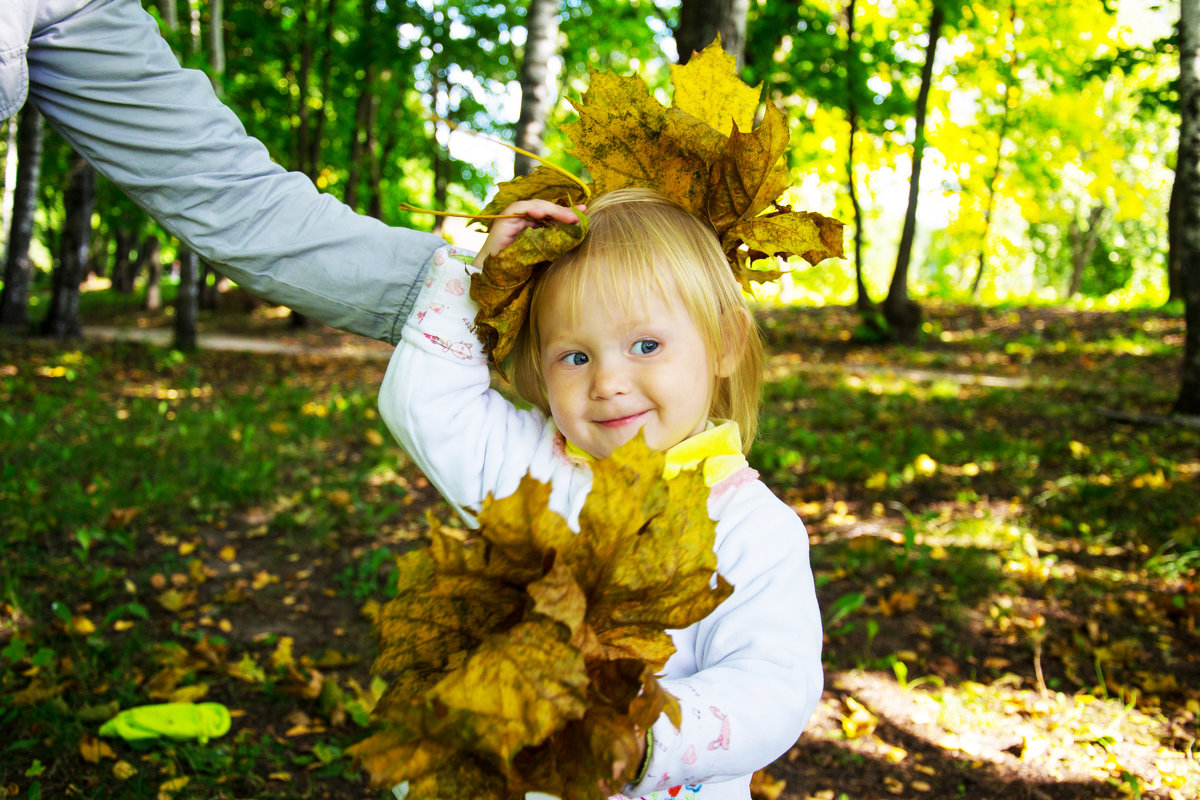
{"x":526,"y":653}
{"x":812,"y":236}
{"x":544,"y":183}
{"x":707,"y":87}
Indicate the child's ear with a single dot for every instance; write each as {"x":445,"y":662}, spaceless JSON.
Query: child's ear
{"x":735,"y":330}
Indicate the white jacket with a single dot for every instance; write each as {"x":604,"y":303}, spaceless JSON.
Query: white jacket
{"x":748,"y":676}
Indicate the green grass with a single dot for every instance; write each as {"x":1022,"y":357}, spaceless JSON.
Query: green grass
{"x":215,"y":524}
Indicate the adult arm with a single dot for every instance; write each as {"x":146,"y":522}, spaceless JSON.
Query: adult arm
{"x":107,"y":81}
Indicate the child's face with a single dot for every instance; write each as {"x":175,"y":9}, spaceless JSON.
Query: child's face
{"x":612,"y":372}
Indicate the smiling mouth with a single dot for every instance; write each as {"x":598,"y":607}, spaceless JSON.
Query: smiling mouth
{"x":620,"y":422}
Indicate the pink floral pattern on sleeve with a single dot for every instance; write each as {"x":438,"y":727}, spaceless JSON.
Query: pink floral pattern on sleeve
{"x":444,"y":315}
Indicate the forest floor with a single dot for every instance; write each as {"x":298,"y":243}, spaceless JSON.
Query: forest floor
{"x":1003,"y":522}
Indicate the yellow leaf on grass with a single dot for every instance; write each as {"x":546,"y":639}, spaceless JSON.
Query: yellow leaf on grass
{"x":188,"y":694}
{"x":282,"y":658}
{"x":82,"y":625}
{"x":764,"y":786}
{"x":174,"y":785}
{"x":123,"y":770}
{"x":175,"y":601}
{"x":860,"y":721}
{"x":92,"y":749}
{"x":247,"y":670}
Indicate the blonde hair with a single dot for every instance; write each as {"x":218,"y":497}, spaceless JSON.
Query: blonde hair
{"x":640,"y":243}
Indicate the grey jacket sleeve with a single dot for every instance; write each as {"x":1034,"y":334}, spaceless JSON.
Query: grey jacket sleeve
{"x":103,"y":77}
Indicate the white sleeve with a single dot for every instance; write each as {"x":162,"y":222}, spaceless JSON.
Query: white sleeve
{"x":436,"y":399}
{"x":758,"y":672}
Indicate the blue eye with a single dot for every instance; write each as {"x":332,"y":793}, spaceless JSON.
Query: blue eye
{"x":644,"y":347}
{"x":575,"y":359}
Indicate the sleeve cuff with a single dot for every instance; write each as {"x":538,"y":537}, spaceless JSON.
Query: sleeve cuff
{"x":442,"y":321}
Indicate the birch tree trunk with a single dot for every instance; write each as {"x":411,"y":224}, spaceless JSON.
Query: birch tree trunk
{"x":1187,"y":175}
{"x":150,"y":260}
{"x":18,"y":268}
{"x":537,"y":82}
{"x":216,"y":45}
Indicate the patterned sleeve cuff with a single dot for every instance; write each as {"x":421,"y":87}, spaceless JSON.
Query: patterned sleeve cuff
{"x":443,"y":318}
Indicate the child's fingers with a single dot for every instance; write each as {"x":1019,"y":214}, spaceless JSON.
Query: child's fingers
{"x":543,"y":210}
{"x":519,"y":216}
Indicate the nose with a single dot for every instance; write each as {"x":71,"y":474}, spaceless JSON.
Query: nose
{"x":609,"y":379}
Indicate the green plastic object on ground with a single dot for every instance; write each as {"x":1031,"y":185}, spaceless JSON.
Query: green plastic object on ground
{"x":201,"y":721}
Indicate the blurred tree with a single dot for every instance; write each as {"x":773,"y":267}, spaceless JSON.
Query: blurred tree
{"x":1188,"y":174}
{"x":537,"y":81}
{"x":902,"y":313}
{"x":71,"y":263}
{"x":702,"y":21}
{"x":18,"y":268}
{"x":836,"y":67}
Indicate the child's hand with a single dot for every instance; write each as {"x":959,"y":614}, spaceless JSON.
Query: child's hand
{"x":533,"y":214}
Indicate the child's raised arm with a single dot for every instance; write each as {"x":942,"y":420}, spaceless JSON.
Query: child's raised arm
{"x":524,"y":214}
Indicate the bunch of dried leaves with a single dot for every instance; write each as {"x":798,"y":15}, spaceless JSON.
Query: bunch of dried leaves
{"x":522,"y":656}
{"x":704,"y":153}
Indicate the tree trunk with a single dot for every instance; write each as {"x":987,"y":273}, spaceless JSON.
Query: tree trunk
{"x":210,"y":287}
{"x":10,"y":174}
{"x":18,"y":268}
{"x":216,"y":45}
{"x":701,"y":21}
{"x":122,"y":265}
{"x":1174,"y":253}
{"x":169,"y":9}
{"x":374,"y":165}
{"x":997,"y":165}
{"x":1083,"y":245}
{"x":300,"y":161}
{"x":318,"y":140}
{"x":1188,"y":175}
{"x":150,"y":260}
{"x":903,"y":315}
{"x":187,"y":301}
{"x":537,"y":82}
{"x":79,"y":200}
{"x":194,"y":38}
{"x":362,"y":114}
{"x":862,"y":300}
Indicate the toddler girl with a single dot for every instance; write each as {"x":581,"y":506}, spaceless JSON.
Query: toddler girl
{"x":641,"y":327}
